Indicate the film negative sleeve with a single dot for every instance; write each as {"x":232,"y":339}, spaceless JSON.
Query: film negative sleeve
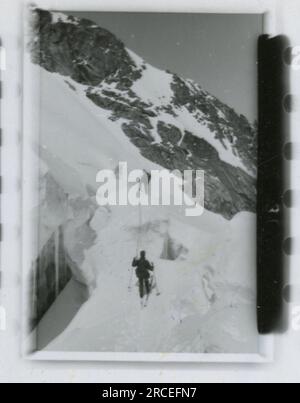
{"x":272,"y":132}
{"x":2,"y":66}
{"x":172,"y":123}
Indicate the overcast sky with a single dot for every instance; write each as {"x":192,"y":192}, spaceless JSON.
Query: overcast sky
{"x":216,"y":51}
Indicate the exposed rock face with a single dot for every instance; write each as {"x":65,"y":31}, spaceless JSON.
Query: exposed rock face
{"x":159,"y":127}
{"x":231,"y":129}
{"x":79,"y":50}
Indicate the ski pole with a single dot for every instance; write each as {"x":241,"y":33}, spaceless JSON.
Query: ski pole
{"x":130,"y":281}
{"x":138,"y":246}
{"x":156,"y":285}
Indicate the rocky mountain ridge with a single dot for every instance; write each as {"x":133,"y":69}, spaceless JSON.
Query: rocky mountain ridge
{"x":170,"y":121}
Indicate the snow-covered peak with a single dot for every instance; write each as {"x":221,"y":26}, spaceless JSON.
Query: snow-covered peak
{"x":169,"y":121}
{"x":61,"y":17}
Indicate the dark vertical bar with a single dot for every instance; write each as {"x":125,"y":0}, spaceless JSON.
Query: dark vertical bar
{"x":272,"y":132}
{"x":1,"y":94}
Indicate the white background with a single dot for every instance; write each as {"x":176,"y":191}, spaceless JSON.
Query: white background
{"x":13,"y":368}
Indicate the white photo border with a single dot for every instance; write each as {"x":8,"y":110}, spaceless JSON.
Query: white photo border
{"x":30,"y":132}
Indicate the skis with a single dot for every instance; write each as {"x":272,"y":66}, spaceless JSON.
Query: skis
{"x":142,"y":303}
{"x":147,"y":298}
{"x":156,"y":286}
{"x":153,"y":286}
{"x":144,"y":300}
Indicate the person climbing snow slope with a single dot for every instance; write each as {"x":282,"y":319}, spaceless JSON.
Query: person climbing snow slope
{"x":143,"y":269}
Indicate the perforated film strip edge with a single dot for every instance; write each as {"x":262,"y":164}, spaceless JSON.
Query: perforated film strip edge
{"x":291,"y":291}
{"x":2,"y":69}
{"x":273,"y":133}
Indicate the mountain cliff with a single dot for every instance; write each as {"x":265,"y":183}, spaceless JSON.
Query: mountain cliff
{"x":170,"y":121}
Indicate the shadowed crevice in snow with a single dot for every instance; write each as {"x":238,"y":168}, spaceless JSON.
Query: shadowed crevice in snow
{"x":61,"y":313}
{"x":49,"y":276}
{"x":56,"y":293}
{"x":172,"y":250}
{"x":65,"y":234}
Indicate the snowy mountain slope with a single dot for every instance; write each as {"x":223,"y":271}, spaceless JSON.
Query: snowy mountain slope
{"x":206,"y":292}
{"x":101,"y":104}
{"x":64,"y":120}
{"x":203,"y":307}
{"x":171,"y":121}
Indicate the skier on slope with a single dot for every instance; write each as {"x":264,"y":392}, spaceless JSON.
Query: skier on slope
{"x":143,"y":269}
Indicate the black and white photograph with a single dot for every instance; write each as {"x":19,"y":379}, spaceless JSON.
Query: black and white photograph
{"x":146,"y":164}
{"x":149,"y":194}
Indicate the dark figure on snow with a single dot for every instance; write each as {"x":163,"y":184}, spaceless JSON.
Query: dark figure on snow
{"x":143,"y":273}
